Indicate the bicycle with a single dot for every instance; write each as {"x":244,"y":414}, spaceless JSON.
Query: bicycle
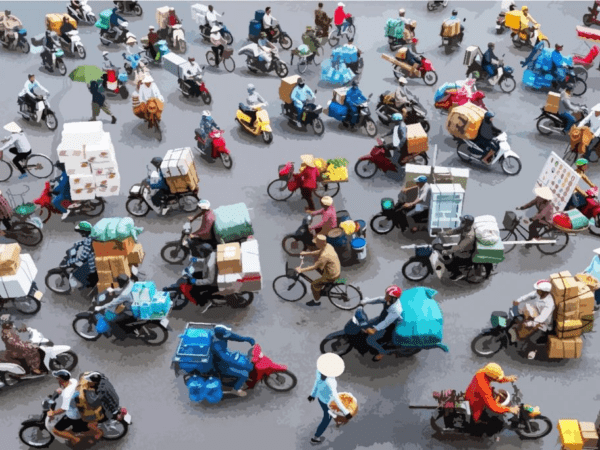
{"x":36,"y":165}
{"x":571,"y":155}
{"x":25,"y":230}
{"x":514,"y":229}
{"x":304,"y":60}
{"x":349,"y":32}
{"x":278,"y":189}
{"x":226,"y":59}
{"x":341,"y":295}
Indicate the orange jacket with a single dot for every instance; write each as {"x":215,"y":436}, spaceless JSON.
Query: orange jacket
{"x":479,"y":395}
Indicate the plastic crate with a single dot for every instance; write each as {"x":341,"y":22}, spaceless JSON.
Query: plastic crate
{"x":424,"y":251}
{"x":510,"y":220}
{"x":499,"y":319}
{"x":194,"y":350}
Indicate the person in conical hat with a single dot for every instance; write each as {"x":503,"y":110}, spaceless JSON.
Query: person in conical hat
{"x":308,"y":180}
{"x":18,"y":145}
{"x":545,"y":211}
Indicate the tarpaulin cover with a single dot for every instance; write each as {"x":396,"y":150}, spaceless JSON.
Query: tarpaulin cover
{"x":232,"y":222}
{"x":115,"y":228}
{"x":337,"y":73}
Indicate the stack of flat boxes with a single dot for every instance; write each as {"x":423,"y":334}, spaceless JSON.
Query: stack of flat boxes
{"x":575,"y":435}
{"x":179,"y":170}
{"x":239,"y":264}
{"x":114,"y":258}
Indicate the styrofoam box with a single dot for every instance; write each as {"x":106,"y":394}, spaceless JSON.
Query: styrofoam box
{"x":228,"y":280}
{"x":70,"y":150}
{"x":18,"y":285}
{"x":82,"y":181}
{"x":83,"y":194}
{"x":102,"y":149}
{"x":177,"y":162}
{"x":106,"y":186}
{"x":104,"y":167}
{"x":250,"y":259}
{"x":77,"y":167}
{"x":82,"y":127}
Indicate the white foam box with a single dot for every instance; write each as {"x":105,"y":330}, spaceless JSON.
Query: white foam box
{"x":108,"y":167}
{"x":250,"y":259}
{"x":107,"y":185}
{"x":88,"y":131}
{"x":457,"y":175}
{"x":100,"y":151}
{"x":82,"y":181}
{"x":228,"y":280}
{"x":77,"y":167}
{"x":70,"y":150}
{"x":177,"y":162}
{"x":413,"y":171}
{"x":78,"y":194}
{"x":18,"y":285}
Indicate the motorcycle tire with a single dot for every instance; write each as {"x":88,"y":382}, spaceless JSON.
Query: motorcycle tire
{"x":285,"y":41}
{"x":168,"y":255}
{"x":541,"y":423}
{"x":51,"y":121}
{"x":128,"y":69}
{"x":543,"y":125}
{"x":595,"y":226}
{"x":507,"y":85}
{"x":124,"y":92}
{"x":34,"y":305}
{"x":228,"y":37}
{"x":137,"y":10}
{"x":273,"y":381}
{"x":365,"y":168}
{"x":144,"y":208}
{"x":501,"y":30}
{"x":281,"y":69}
{"x":267,"y":137}
{"x":430,"y":6}
{"x":155,"y":337}
{"x":425,"y":124}
{"x":498,"y":345}
{"x":206,"y":97}
{"x":288,"y":245}
{"x":318,"y":127}
{"x":181,"y":46}
{"x":241,"y":300}
{"x":370,"y":127}
{"x":226,"y":159}
{"x":430,"y":78}
{"x":588,"y":20}
{"x":25,"y":47}
{"x":580,"y":87}
{"x":179,"y":300}
{"x":93,"y":336}
{"x":93,"y":208}
{"x":385,"y":229}
{"x":416,"y":279}
{"x":511,"y":165}
{"x":44,"y":442}
{"x":72,"y":363}
{"x":517,"y":42}
{"x":58,"y":273}
{"x":343,"y":349}
{"x":81,"y":52}
{"x":120,"y":435}
{"x":62,"y":69}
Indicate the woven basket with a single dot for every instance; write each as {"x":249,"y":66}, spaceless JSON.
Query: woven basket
{"x":349,"y":402}
{"x":589,"y":280}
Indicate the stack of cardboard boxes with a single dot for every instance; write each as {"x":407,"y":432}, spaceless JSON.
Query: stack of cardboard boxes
{"x":179,"y":170}
{"x":89,"y":158}
{"x":450,"y":29}
{"x":17,"y":272}
{"x":552,"y":102}
{"x":114,"y":258}
{"x":575,"y":435}
{"x":573,"y":301}
{"x":239,"y":264}
{"x":286,"y":87}
{"x":464,"y":121}
{"x":416,"y":139}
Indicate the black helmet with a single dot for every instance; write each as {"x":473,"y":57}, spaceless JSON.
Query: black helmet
{"x":467,"y":220}
{"x":156,"y":161}
{"x":454,"y":12}
{"x":62,"y":374}
{"x":94,"y":377}
{"x":491,"y":45}
{"x":570,"y":86}
{"x":48,"y":32}
{"x":7,"y":13}
{"x":300,"y":82}
{"x":122,"y":280}
{"x":204,"y":250}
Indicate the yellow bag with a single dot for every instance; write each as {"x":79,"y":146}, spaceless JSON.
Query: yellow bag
{"x":349,"y":227}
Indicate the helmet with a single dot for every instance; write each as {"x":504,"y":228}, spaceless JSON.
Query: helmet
{"x":204,"y":250}
{"x":397,"y":117}
{"x":488,"y":115}
{"x":524,"y":8}
{"x":156,"y":161}
{"x":105,"y":54}
{"x":394,"y":291}
{"x":493,"y":370}
{"x":354,"y":83}
{"x":84,"y":226}
{"x":94,"y":377}
{"x":401,"y":11}
{"x":491,"y":45}
{"x":122,"y":280}
{"x":7,"y":13}
{"x":581,"y":162}
{"x":543,"y":285}
{"x":300,"y":82}
{"x":62,"y":374}
{"x":251,"y":87}
{"x":558,"y":46}
{"x":402,"y":81}
{"x":221,"y":331}
{"x":570,"y":86}
{"x":467,"y":220}
{"x":204,"y":204}
{"x":206,"y":113}
{"x":454,"y":12}
{"x":421,"y":179}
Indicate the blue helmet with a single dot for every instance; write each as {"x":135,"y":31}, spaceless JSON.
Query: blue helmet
{"x":489,"y":114}
{"x":421,"y":179}
{"x":221,"y":331}
{"x":397,"y":117}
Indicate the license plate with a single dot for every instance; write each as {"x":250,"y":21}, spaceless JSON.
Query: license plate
{"x":127,"y":418}
{"x":38,"y":295}
{"x":164,"y":322}
{"x":134,"y":190}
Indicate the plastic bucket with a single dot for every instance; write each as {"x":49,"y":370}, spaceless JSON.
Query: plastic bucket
{"x":342,"y":216}
{"x":362,"y":228}
{"x":359,"y":246}
{"x":337,"y":238}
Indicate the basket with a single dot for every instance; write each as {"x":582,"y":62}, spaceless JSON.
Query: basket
{"x":227,"y":53}
{"x":24,"y":210}
{"x":424,"y":250}
{"x":350,"y":404}
{"x":510,"y":220}
{"x":499,"y":319}
{"x":569,"y":230}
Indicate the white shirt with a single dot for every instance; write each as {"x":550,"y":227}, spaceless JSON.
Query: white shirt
{"x":64,"y":398}
{"x":543,"y":307}
{"x":268,"y":20}
{"x":593,"y":120}
{"x":146,"y":93}
{"x":19,"y":141}
{"x":216,"y":39}
{"x":506,"y":4}
{"x":211,"y":17}
{"x":29,"y":87}
{"x":424,"y":194}
{"x":194,"y":70}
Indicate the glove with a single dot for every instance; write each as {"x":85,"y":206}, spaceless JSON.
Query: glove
{"x":193,"y":259}
{"x":348,"y":416}
{"x":311,"y":398}
{"x":193,"y":280}
{"x":251,"y":341}
{"x":98,"y":308}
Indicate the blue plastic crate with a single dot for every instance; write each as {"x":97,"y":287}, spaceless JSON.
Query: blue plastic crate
{"x":424,"y":251}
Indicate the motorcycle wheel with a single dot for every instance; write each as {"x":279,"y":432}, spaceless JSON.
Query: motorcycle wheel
{"x":124,"y":92}
{"x":51,"y":121}
{"x":174,"y":253}
{"x":179,"y":300}
{"x":478,"y":273}
{"x":281,"y":381}
{"x":415,"y":270}
{"x":35,"y":436}
{"x":588,"y":20}
{"x":137,"y":10}
{"x":398,"y":72}
{"x":285,"y":41}
{"x":463,"y":152}
{"x":407,"y":352}
{"x":486,"y":345}
{"x":27,"y":305}
{"x":318,"y":126}
{"x":507,"y":236}
{"x":154,"y":334}
{"x":281,"y":69}
{"x":67,"y":361}
{"x":538,"y":427}
{"x":226,"y":159}
{"x":137,"y":207}
{"x":545,"y":126}
{"x":278,"y":190}
{"x":26,"y":234}
{"x":93,"y":208}
{"x":437,"y":422}
{"x":581,"y":72}
{"x":430,"y":78}
{"x":121,"y":6}
{"x":85,"y":329}
{"x":511,"y":165}
{"x":340,"y":345}
{"x":365,"y":169}
{"x":128,"y":69}
{"x":580,"y":87}
{"x":370,"y":127}
{"x":380,"y":224}
{"x":430,"y":6}
{"x":58,"y":282}
{"x":516,"y":40}
{"x":189,"y":203}
{"x":420,"y":160}
{"x":8,"y":379}
{"x":292,"y":245}
{"x":241,"y":300}
{"x":114,"y":430}
{"x":267,"y":137}
{"x":62,"y":69}
{"x":508,"y":85}
{"x":24,"y":46}
{"x":206,"y":97}
{"x":228,"y":37}
{"x":81,"y":52}
{"x":181,"y":46}
{"x":595,"y":226}
{"x":425,"y":124}
{"x":44,"y":214}
{"x":501,"y":30}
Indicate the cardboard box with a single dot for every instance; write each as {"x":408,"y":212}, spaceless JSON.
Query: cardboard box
{"x":286,"y":87}
{"x":587,"y":302}
{"x":569,"y":328}
{"x":464,"y":121}
{"x":183,"y":183}
{"x":589,"y":435}
{"x":567,"y":310}
{"x":572,"y":347}
{"x":113,"y":248}
{"x":588,"y":323}
{"x":19,"y":283}
{"x":177,"y":162}
{"x":9,"y":259}
{"x":339,"y":95}
{"x":401,"y":54}
{"x":555,"y":347}
{"x":102,"y":151}
{"x":450,"y":30}
{"x":105,"y":277}
{"x":230,"y":280}
{"x":229,"y":258}
{"x":570,"y":434}
{"x":55,"y":20}
{"x":107,"y":185}
{"x":136,"y":256}
{"x":250,"y":258}
{"x":119,"y":265}
{"x":552,"y":102}
{"x":565,"y":288}
{"x":70,"y":150}
{"x":251,"y":283}
{"x":162,"y":14}
{"x":102,"y":264}
{"x":416,"y":139}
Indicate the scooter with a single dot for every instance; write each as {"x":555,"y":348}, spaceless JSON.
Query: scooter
{"x":37,"y":432}
{"x":57,"y":61}
{"x":84,"y":14}
{"x":182,"y":292}
{"x":185,"y":88}
{"x":520,"y":38}
{"x":581,"y":64}
{"x":129,"y":7}
{"x":591,"y":18}
{"x":41,"y":113}
{"x":215,"y":147}
{"x":18,"y":40}
{"x":353,"y":336}
{"x":301,"y":240}
{"x":29,"y":304}
{"x":451,"y":42}
{"x":435,"y":5}
{"x":391,"y":214}
{"x":380,"y":158}
{"x":276,"y":35}
{"x":551,"y":123}
{"x":175,"y":37}
{"x":75,"y":47}
{"x":413,"y":113}
{"x":139,"y":202}
{"x":310,"y":116}
{"x":53,"y":357}
{"x":114,"y":81}
{"x":504,"y":78}
{"x":509,"y":161}
{"x":424,"y":71}
{"x":205,"y":31}
{"x":90,"y":208}
{"x":501,"y":23}
{"x":452,"y":416}
{"x":255,"y":120}
{"x":254,"y":64}
{"x":136,"y":63}
{"x":175,"y":252}
{"x":114,"y":36}
{"x":364,"y":118}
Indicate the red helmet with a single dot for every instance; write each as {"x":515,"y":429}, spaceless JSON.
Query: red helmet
{"x":394,"y":291}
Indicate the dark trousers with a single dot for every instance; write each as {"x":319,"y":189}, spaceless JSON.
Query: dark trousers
{"x":152,"y":50}
{"x":597,"y":296}
{"x":326,"y":419}
{"x":456,"y":263}
{"x":307,"y":195}
{"x":159,"y":198}
{"x":19,"y":157}
{"x":489,"y":423}
{"x":533,"y":341}
{"x":7,"y":223}
{"x":534,"y":229}
{"x":46,"y":58}
{"x":490,"y":69}
{"x":194,"y":88}
{"x":218,"y":51}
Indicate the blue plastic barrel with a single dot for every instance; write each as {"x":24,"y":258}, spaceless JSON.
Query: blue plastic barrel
{"x":359,"y":246}
{"x":337,"y":238}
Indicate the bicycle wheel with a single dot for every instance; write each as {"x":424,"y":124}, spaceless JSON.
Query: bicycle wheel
{"x":330,"y":189}
{"x":292,"y":245}
{"x":302,"y":65}
{"x":289,"y":289}
{"x":351,"y":32}
{"x":26,"y":234}
{"x":318,"y":56}
{"x":278,"y":190}
{"x":229,"y":64}
{"x":39,"y":166}
{"x":6,"y":170}
{"x":211,"y":59}
{"x":562,"y":239}
{"x":506,"y":236}
{"x":344,"y":296}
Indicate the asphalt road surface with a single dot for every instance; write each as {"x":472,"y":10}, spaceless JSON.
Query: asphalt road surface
{"x":163,"y":416}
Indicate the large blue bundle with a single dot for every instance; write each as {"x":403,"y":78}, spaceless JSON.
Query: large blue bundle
{"x":441,"y":92}
{"x":209,"y":389}
{"x":422,"y":324}
{"x":344,"y":54}
{"x":194,"y":350}
{"x":338,"y":111}
{"x":336,"y":73}
{"x":255,"y":27}
{"x":258,"y":15}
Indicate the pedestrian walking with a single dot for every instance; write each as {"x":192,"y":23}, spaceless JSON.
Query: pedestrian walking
{"x":99,"y":102}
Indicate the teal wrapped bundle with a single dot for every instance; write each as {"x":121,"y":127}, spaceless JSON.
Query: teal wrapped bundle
{"x":115,"y":229}
{"x":104,"y":19}
{"x":232,"y":223}
{"x":394,"y":28}
{"x":492,"y":254}
{"x":578,"y":220}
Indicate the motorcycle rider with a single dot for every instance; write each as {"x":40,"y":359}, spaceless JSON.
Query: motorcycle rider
{"x":101,"y":392}
{"x":592,"y":120}
{"x":354,"y":98}
{"x":115,"y":23}
{"x":49,"y":44}
{"x":230,"y":363}
{"x":390,"y":315}
{"x":147,"y":90}
{"x":84,"y":259}
{"x":484,"y":406}
{"x":67,"y":388}
{"x":454,"y":19}
{"x":402,"y":95}
{"x":153,"y":38}
{"x":267,"y":22}
{"x":158,"y":183}
{"x":486,"y":137}
{"x":266,"y":49}
{"x":461,"y":252}
{"x":339,"y":18}
{"x":538,"y":308}
{"x":545,"y":211}
{"x":490,"y":63}
{"x":530,"y":30}
{"x":204,"y":278}
{"x":205,"y":231}
{"x":301,"y":94}
{"x":65,"y":28}
{"x":419,"y":206}
{"x":327,"y":264}
{"x":18,"y":145}
{"x":322,"y":21}
{"x":19,"y":349}
{"x":507,"y":5}
{"x":218,"y":43}
{"x":253,"y":99}
{"x":399,"y":134}
{"x":328,"y":217}
{"x":191,"y":73}
{"x":402,"y":16}
{"x":62,"y":192}
{"x":211,"y":16}
{"x":206,"y":126}
{"x":558,"y":62}
{"x":76,"y":6}
{"x":120,"y":306}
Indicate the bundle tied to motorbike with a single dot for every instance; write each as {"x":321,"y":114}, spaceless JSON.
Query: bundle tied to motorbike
{"x":580,"y":138}
{"x":150,"y":110}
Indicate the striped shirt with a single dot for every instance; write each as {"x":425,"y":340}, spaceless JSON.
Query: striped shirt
{"x":86,"y":255}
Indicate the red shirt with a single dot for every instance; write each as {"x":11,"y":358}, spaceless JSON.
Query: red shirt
{"x":479,"y":395}
{"x":205,"y":230}
{"x":308,"y":177}
{"x":173,"y":20}
{"x":339,"y":15}
{"x":329,"y":217}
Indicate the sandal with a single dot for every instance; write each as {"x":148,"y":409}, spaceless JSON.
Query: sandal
{"x":377,"y":358}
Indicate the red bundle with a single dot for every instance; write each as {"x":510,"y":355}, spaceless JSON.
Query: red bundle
{"x":562,"y":220}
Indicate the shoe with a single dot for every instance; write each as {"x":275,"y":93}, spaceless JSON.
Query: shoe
{"x":316,"y":441}
{"x":23,"y":175}
{"x":298,"y":124}
{"x":74,"y":205}
{"x":458,"y":276}
{"x":65,"y":215}
{"x":37,"y":372}
{"x":377,"y":358}
{"x":165,"y":210}
{"x":596,"y":307}
{"x":313,"y":303}
{"x":241,"y":393}
{"x":531,"y":355}
{"x":114,"y":120}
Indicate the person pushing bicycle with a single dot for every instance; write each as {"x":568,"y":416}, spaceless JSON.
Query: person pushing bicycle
{"x":327,"y":264}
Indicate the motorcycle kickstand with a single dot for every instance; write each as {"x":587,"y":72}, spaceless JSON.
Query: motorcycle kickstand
{"x":210,"y":305}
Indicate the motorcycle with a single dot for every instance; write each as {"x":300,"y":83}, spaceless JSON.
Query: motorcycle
{"x":90,"y":208}
{"x":435,"y":5}
{"x":37,"y":432}
{"x":310,"y":116}
{"x":139,"y":202}
{"x":353,"y":336}
{"x":380,"y":159}
{"x":53,"y":357}
{"x":114,"y":81}
{"x":429,"y":260}
{"x":84,"y":14}
{"x":75,"y":47}
{"x":510,"y":162}
{"x":451,"y":42}
{"x":175,"y":252}
{"x":581,"y":64}
{"x":214,"y":147}
{"x":452,"y":416}
{"x":520,"y":38}
{"x":18,"y":40}
{"x":276,"y":35}
{"x":42,"y":112}
{"x":255,"y":120}
{"x":57,"y":61}
{"x":301,"y":240}
{"x":505,"y":78}
{"x":116,"y":34}
{"x":501,"y":23}
{"x":413,"y":112}
{"x":589,"y":206}
{"x":129,"y":7}
{"x":182,"y":293}
{"x":205,"y":31}
{"x":591,"y":17}
{"x":175,"y":37}
{"x":29,"y":304}
{"x":197,"y":79}
{"x":254,"y":64}
{"x":424,"y":71}
{"x":391,"y":217}
{"x":459,"y":98}
{"x":136,"y":64}
{"x":364,"y":118}
{"x":551,"y":123}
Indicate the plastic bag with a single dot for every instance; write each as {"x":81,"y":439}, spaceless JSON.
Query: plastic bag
{"x":115,"y":228}
{"x":294,"y":183}
{"x":214,"y":390}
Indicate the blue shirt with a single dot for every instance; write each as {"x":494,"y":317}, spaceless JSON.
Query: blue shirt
{"x":161,"y":183}
{"x":301,"y":94}
{"x":354,"y":97}
{"x":594,"y":267}
{"x":73,"y":413}
{"x":394,"y":312}
{"x":207,"y":123}
{"x":326,"y":390}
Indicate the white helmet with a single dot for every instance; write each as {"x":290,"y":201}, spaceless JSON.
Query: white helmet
{"x":206,"y":113}
{"x":402,"y":81}
{"x":105,"y":53}
{"x":204,"y":204}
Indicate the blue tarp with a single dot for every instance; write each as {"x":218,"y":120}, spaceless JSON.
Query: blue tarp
{"x":441,"y":92}
{"x":200,"y":389}
{"x":337,"y":73}
{"x":344,"y":54}
{"x":538,"y":74}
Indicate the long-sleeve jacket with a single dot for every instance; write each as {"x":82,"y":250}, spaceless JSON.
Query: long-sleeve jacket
{"x":29,"y":87}
{"x":401,"y":96}
{"x":340,"y":15}
{"x":545,"y":209}
{"x":148,"y":92}
{"x":161,"y":183}
{"x":220,"y":344}
{"x":268,"y":21}
{"x":594,"y":267}
{"x":205,"y":230}
{"x":207,"y":124}
{"x":479,"y":395}
{"x":65,"y":28}
{"x":6,"y":211}
{"x":308,"y":177}
{"x":489,"y":57}
{"x":565,"y":105}
{"x":398,"y":134}
{"x":211,"y":17}
{"x":210,"y":272}
{"x":63,"y":186}
{"x":326,"y":391}
{"x":255,"y":99}
{"x":488,"y":131}
{"x":544,"y":307}
{"x":328,"y":219}
{"x":122,"y":295}
{"x":301,"y":95}
{"x":104,"y":395}
{"x":85,"y":256}
{"x":354,"y":97}
{"x":394,"y":312}
{"x":466,"y":245}
{"x":17,"y":140}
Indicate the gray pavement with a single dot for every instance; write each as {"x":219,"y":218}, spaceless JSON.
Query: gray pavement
{"x":162,"y":414}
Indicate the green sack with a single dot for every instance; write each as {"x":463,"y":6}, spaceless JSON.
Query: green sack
{"x":232,"y":223}
{"x":115,"y":229}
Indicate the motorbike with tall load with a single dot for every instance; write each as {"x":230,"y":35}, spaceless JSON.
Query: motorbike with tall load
{"x":400,"y":33}
{"x":71,"y":44}
{"x":549,"y":122}
{"x":182,"y":69}
{"x":310,"y":111}
{"x":524,"y":33}
{"x":84,"y":14}
{"x":173,"y":35}
{"x":130,"y":7}
{"x":274,"y":35}
{"x":401,"y":68}
{"x":199,"y":12}
{"x":452,"y":34}
{"x":17,"y":285}
{"x":110,"y":34}
{"x":12,"y":33}
{"x":474,"y":62}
